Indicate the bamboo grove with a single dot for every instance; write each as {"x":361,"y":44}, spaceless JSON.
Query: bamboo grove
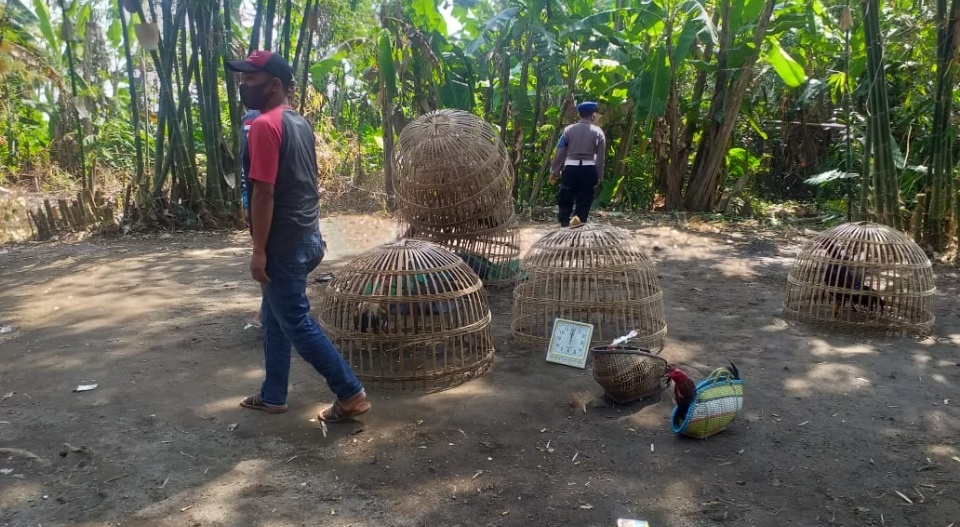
{"x":708,"y":105}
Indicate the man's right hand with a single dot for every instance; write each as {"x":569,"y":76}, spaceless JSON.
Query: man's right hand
{"x":258,"y":267}
{"x":553,"y":178}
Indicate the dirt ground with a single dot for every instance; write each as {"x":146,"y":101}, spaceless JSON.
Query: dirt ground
{"x":836,"y":430}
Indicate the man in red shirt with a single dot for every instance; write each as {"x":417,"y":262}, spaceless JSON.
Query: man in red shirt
{"x":287,"y":246}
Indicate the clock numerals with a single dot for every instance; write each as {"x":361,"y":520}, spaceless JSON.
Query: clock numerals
{"x":569,"y":343}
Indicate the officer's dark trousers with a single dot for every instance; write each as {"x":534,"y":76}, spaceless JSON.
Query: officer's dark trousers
{"x":577,"y":184}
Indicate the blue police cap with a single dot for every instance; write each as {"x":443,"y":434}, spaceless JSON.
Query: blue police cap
{"x":587,"y":107}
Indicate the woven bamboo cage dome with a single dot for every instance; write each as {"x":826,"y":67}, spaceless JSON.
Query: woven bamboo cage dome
{"x":409,"y":314}
{"x":590,"y":273}
{"x":494,"y":254}
{"x":863,"y":276}
{"x":453,"y":170}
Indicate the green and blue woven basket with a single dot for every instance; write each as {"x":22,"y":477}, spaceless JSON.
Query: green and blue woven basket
{"x":718,"y":402}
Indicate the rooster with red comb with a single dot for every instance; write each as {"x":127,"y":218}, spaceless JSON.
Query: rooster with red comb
{"x":684,"y":392}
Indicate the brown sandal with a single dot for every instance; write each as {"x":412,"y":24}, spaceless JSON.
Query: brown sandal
{"x":336,"y":412}
{"x":255,"y":403}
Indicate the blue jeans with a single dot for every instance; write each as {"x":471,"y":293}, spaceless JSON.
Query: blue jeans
{"x":287,"y":323}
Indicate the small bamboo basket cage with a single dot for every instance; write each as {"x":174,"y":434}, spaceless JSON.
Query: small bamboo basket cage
{"x":454,"y":188}
{"x":590,"y":273}
{"x":628,"y":373}
{"x":863,"y":276}
{"x":409,"y":314}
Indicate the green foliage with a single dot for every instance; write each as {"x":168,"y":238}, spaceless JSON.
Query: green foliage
{"x":789,"y":70}
{"x":514,"y":63}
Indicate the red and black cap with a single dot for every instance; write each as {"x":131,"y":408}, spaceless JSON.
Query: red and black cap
{"x":265,"y":61}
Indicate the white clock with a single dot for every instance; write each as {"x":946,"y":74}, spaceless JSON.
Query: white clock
{"x":570,"y":343}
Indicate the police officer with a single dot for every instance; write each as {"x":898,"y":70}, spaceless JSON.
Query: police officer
{"x":580,"y":156}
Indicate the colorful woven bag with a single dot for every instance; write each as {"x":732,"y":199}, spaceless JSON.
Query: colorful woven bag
{"x":718,"y":401}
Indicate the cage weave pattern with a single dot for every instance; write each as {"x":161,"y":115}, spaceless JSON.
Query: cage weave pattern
{"x":863,"y":276}
{"x":454,"y":187}
{"x":591,"y":273}
{"x":409,"y":313}
{"x":628,"y":373}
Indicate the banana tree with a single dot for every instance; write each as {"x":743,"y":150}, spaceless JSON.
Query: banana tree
{"x":678,"y":28}
{"x":732,"y":56}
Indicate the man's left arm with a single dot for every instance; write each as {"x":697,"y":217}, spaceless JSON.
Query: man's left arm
{"x":601,"y":154}
{"x":557,"y":165}
{"x":263,"y":147}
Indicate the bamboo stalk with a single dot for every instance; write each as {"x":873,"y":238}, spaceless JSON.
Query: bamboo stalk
{"x":504,"y":86}
{"x":232,"y":103}
{"x":134,"y":111}
{"x":886,"y":175}
{"x":940,"y":179}
{"x":210,"y":108}
{"x":302,"y":37}
{"x":271,"y":16}
{"x":257,"y":25}
{"x":87,"y":180}
{"x":866,"y":178}
{"x":285,"y":43}
{"x":306,"y":65}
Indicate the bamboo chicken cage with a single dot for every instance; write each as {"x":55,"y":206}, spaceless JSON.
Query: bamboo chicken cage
{"x":493,"y":254}
{"x":591,"y":273}
{"x":454,"y":188}
{"x":409,"y":314}
{"x":862,"y":276}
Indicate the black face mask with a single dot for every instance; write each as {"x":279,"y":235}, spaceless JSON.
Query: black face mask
{"x":254,"y":97}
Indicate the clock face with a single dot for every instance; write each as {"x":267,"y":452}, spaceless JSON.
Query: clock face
{"x":570,"y":343}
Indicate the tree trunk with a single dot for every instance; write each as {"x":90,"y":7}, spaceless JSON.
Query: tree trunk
{"x":532,"y":142}
{"x":619,"y":164}
{"x":551,"y":143}
{"x":693,"y":113}
{"x":701,"y":195}
{"x":518,"y":134}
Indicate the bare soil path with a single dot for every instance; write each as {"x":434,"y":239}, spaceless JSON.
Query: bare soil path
{"x":837,"y":430}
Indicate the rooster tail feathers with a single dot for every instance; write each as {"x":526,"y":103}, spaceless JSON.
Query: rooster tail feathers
{"x":734,"y":371}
